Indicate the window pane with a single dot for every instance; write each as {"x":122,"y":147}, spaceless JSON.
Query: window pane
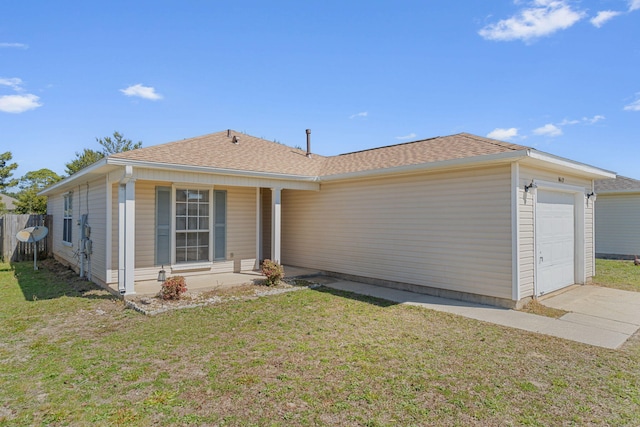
{"x":181,"y":223}
{"x":181,"y":209}
{"x":192,"y":239}
{"x":192,"y":209}
{"x":181,"y":240}
{"x":203,"y":253}
{"x":204,"y":196}
{"x":204,"y":223}
{"x":181,"y":195}
{"x":180,"y":255}
{"x":192,"y":224}
{"x":192,"y":254}
{"x":204,"y":209}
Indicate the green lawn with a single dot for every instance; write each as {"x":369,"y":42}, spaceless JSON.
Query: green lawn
{"x":617,"y":274}
{"x":72,"y":355}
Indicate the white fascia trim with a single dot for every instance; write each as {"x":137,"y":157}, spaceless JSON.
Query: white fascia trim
{"x":205,"y":169}
{"x":580,"y":167}
{"x":477,"y":160}
{"x":89,"y":169}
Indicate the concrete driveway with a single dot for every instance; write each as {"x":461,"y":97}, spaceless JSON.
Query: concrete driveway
{"x":597,"y":316}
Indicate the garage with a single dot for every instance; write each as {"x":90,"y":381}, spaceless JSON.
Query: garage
{"x":555,"y":240}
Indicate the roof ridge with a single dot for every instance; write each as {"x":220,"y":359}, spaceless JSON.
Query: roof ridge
{"x":492,"y":141}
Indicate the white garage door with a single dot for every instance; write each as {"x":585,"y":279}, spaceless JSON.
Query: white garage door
{"x":555,"y":240}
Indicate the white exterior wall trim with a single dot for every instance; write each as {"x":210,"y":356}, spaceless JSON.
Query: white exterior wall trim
{"x":566,"y":163}
{"x":579,"y":227}
{"x":515,"y":231}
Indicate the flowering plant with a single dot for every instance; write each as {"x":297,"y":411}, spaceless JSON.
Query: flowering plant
{"x":273,"y":271}
{"x":173,"y":288}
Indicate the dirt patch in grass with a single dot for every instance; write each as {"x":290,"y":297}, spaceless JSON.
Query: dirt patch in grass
{"x":536,"y":307}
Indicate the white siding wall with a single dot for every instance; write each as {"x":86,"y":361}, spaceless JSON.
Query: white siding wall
{"x":527,"y":232}
{"x":618,"y":224}
{"x":444,"y":230}
{"x":89,"y":198}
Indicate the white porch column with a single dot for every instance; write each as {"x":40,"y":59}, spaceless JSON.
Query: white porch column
{"x":258,"y":229}
{"x":126,"y":233}
{"x":275,"y":223}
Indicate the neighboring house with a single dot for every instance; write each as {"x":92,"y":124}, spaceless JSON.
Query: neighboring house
{"x":9,"y":202}
{"x":618,"y":218}
{"x":459,"y":216}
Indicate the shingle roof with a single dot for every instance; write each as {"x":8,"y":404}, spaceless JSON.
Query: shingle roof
{"x":620,"y":183}
{"x":217,"y":150}
{"x":459,"y":146}
{"x":8,"y":202}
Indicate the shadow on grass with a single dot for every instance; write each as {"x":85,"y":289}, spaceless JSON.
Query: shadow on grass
{"x":357,"y":297}
{"x":52,"y":280}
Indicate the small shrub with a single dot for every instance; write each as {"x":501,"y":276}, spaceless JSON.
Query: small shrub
{"x":273,"y":272}
{"x":173,"y":288}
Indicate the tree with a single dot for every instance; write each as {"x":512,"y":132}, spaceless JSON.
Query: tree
{"x":82,"y":160}
{"x":28,"y":201}
{"x":109,"y":145}
{"x":117,"y":145}
{"x":6,"y":171}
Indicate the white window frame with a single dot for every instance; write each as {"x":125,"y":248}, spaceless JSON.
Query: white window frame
{"x":176,"y":231}
{"x":67,"y":219}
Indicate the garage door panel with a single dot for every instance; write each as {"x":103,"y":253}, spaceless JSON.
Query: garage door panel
{"x":555,"y":240}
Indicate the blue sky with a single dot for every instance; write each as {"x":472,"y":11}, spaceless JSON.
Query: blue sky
{"x":558,"y":75}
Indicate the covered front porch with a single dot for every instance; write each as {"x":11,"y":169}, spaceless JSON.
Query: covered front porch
{"x":211,"y":229}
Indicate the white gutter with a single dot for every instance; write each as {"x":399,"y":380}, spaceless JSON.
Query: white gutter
{"x":566,"y":163}
{"x":89,"y":169}
{"x":211,"y":170}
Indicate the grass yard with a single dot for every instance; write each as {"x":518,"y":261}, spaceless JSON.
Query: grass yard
{"x":72,"y":355}
{"x":617,"y":274}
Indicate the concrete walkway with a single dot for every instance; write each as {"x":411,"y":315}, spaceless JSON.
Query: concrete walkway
{"x":597,"y":316}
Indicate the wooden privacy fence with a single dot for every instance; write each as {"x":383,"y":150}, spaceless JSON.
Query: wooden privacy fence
{"x":11,"y":249}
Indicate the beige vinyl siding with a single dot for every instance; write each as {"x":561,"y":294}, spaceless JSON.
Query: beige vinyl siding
{"x":618,"y":224}
{"x":145,"y":224}
{"x":55,"y":207}
{"x":241,"y":226}
{"x":445,"y":230}
{"x":97,"y":220}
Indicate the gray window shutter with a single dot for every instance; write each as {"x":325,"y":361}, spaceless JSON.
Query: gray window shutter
{"x":163,"y":225}
{"x":220,"y":225}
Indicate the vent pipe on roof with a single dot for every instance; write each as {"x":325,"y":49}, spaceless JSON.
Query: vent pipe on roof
{"x":228,"y":133}
{"x":308,"y":142}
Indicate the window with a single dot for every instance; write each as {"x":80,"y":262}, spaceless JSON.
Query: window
{"x":192,"y":225}
{"x":67,"y":218}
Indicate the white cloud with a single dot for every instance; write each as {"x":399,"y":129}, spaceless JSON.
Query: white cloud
{"x":503,"y":134}
{"x":14,"y":83}
{"x":409,"y":136}
{"x":362,"y":114}
{"x":603,"y":16}
{"x":594,"y":119}
{"x":548,"y":130}
{"x":635,"y":105}
{"x":542,"y":18}
{"x":18,"y":103}
{"x":634,"y":5}
{"x":15,"y":45}
{"x":146,"y":92}
{"x":566,"y":122}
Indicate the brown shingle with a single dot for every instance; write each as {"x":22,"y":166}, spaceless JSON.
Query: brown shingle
{"x":217,"y":150}
{"x":620,"y":183}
